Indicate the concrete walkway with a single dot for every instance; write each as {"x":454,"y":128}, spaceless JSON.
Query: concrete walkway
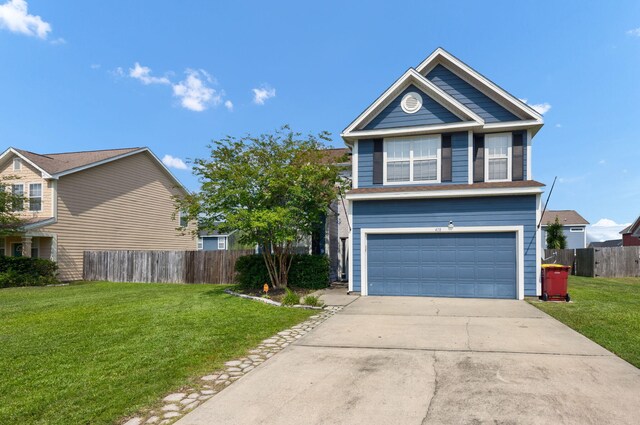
{"x":397,"y":360}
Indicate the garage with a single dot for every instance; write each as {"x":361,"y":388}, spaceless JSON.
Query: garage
{"x":469,"y":265}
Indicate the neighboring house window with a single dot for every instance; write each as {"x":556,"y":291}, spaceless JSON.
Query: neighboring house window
{"x":18,"y":190}
{"x":184,"y":219}
{"x":34,"y":253}
{"x":35,"y":197}
{"x":576,"y":229}
{"x":497,"y":157}
{"x":412,"y":159}
{"x":2,"y":251}
{"x":17,"y":164}
{"x":222,"y":243}
{"x":200,"y":244}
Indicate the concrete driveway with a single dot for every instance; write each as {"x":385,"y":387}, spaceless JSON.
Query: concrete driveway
{"x":397,"y":360}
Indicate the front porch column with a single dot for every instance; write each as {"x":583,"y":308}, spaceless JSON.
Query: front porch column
{"x":26,"y":246}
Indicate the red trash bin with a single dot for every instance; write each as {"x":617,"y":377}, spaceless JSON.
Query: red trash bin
{"x":554,"y":282}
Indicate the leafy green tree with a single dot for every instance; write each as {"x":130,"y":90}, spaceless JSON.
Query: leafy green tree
{"x":555,"y":236}
{"x":10,"y":205}
{"x":274,"y":189}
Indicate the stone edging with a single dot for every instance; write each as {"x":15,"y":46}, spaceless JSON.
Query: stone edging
{"x":270,"y":302}
{"x":178,"y":404}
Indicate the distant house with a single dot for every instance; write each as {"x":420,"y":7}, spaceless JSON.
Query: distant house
{"x":631,"y":234}
{"x":613,"y":243}
{"x":574,"y":227}
{"x":214,"y":241}
{"x":117,"y":199}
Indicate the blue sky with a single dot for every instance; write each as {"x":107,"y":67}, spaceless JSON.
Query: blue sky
{"x":206,"y":69}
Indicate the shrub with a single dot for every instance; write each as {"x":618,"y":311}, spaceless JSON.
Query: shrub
{"x":313,"y":301}
{"x":25,"y":271}
{"x":307,"y":271}
{"x":290,"y":298}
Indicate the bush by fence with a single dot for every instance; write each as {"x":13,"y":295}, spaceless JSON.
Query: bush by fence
{"x":26,"y":271}
{"x":162,"y":266}
{"x":602,"y":262}
{"x":307,"y":271}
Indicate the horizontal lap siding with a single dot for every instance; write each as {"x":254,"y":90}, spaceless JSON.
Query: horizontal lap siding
{"x":122,"y":205}
{"x":26,"y":175}
{"x":469,"y":96}
{"x":487,"y":211}
{"x":430,"y":113}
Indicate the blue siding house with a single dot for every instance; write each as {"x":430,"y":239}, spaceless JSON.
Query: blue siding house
{"x":442,"y":202}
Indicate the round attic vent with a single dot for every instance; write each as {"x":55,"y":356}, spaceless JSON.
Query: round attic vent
{"x":411,"y":102}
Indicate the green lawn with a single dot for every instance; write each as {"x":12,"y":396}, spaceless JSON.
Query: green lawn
{"x":92,"y":353}
{"x":605,"y":310}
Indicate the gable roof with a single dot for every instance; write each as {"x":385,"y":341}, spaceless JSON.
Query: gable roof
{"x":611,"y":243}
{"x":632,"y":228}
{"x":566,"y":217}
{"x":55,"y":165}
{"x":528,"y":118}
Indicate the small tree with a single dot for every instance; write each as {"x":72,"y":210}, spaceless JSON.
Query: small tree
{"x":274,"y":189}
{"x":555,"y":236}
{"x":10,"y":205}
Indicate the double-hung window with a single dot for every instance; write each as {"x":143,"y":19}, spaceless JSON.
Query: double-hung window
{"x":18,"y":192}
{"x":222,"y":243}
{"x":35,"y":197}
{"x":497,"y":165}
{"x":412,"y":159}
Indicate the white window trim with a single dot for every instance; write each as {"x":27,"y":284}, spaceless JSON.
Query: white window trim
{"x":576,"y":229}
{"x":200,"y":244}
{"x":28,"y":197}
{"x":23,"y":195}
{"x":411,"y":180}
{"x":19,"y":162}
{"x":222,"y":241}
{"x":519,"y":231}
{"x":509,"y":158}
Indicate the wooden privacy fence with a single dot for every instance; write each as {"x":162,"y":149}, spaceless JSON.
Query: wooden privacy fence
{"x":162,"y":266}
{"x":623,"y":261}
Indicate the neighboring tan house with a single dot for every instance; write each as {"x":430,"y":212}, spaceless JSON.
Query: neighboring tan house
{"x":631,"y":234}
{"x":443,"y":201}
{"x":95,"y":200}
{"x":574,"y":227}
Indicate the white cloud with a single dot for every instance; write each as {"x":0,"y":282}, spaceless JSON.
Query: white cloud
{"x":174,"y":162}
{"x":605,"y":229}
{"x":260,"y":95}
{"x":118,"y":72}
{"x":602,"y":161}
{"x":95,"y":66}
{"x":229,"y":105}
{"x":15,"y":18}
{"x":58,"y":41}
{"x":194,"y":93}
{"x":143,"y":73}
{"x":558,"y":125}
{"x":634,"y":32}
{"x":541,"y":108}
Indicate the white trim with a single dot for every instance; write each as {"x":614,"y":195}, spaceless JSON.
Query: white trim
{"x":511,"y":126}
{"x":199,"y":243}
{"x":411,"y":131}
{"x":538,"y":245}
{"x":411,"y":180}
{"x":487,"y":138}
{"x":222,"y":239}
{"x":24,"y":198}
{"x":470,"y":157}
{"x":409,"y":77}
{"x":39,"y":224}
{"x":350,"y":253}
{"x":45,"y":175}
{"x":54,"y":198}
{"x":354,"y":165}
{"x":406,"y":108}
{"x":439,"y":54}
{"x":453,"y":193}
{"x":17,"y":161}
{"x":28,"y":197}
{"x":519,"y":231}
{"x":576,"y":229}
{"x":529,"y":155}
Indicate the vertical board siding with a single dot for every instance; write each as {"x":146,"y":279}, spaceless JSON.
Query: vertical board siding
{"x":460,"y":157}
{"x":469,"y":96}
{"x":487,"y":211}
{"x":365,"y":163}
{"x":431,"y":112}
{"x":161,"y":266}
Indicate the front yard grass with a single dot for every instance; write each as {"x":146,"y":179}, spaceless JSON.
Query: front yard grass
{"x":92,"y":353}
{"x":605,"y":310}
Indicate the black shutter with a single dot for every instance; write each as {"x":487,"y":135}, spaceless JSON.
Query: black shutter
{"x":517,"y":160}
{"x":378,"y":161}
{"x":478,"y":158}
{"x":445,"y":173}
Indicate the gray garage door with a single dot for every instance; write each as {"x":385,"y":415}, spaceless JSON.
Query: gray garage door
{"x":473,"y":265}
